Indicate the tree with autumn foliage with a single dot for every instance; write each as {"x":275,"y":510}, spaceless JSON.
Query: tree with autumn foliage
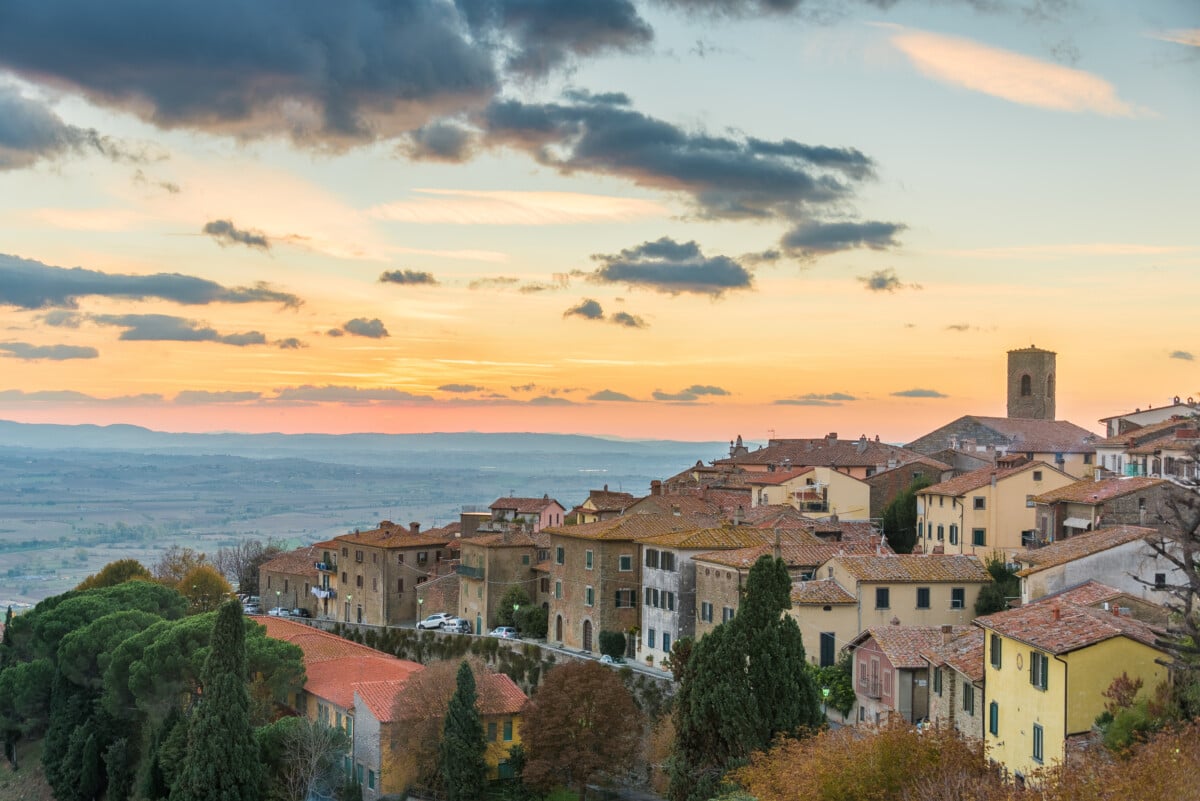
{"x":204,"y":588}
{"x":581,"y":723}
{"x":743,"y":685}
{"x":116,"y":572}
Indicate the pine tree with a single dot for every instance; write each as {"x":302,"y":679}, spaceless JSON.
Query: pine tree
{"x":744,"y":684}
{"x":221,"y":763}
{"x":461,"y":755}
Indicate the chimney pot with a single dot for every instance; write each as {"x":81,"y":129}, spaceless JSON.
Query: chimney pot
{"x":414,"y":527}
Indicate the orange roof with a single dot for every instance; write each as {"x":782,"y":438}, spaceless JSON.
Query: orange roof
{"x":316,"y":644}
{"x":1142,"y":434}
{"x":825,"y":452}
{"x":802,"y":551}
{"x":1088,"y":491}
{"x":499,"y":695}
{"x":335,"y":679}
{"x":379,"y":697}
{"x":778,"y":476}
{"x":1058,"y":626}
{"x":709,"y":538}
{"x":627,"y":527}
{"x":1079,"y":546}
{"x":820,"y":593}
{"x":964,"y":653}
{"x":389,"y":535}
{"x":904,"y":645}
{"x":301,"y":561}
{"x":967,"y":482}
{"x":507,"y":539}
{"x":909,"y":568}
{"x":525,"y":506}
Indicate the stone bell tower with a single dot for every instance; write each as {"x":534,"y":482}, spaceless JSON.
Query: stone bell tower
{"x":1031,"y":376}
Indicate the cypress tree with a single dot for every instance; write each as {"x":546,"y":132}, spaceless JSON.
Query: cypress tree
{"x":464,"y":770}
{"x":744,"y":684}
{"x":221,"y":763}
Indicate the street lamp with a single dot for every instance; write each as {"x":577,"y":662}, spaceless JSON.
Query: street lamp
{"x":824,"y":701}
{"x":349,"y":599}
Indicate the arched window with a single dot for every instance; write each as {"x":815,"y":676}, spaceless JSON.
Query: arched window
{"x":1026,"y":386}
{"x":1050,"y":386}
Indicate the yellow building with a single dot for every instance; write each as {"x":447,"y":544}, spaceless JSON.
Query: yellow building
{"x":815,"y":491}
{"x":827,"y":615}
{"x":1046,"y":667}
{"x":985,"y":510}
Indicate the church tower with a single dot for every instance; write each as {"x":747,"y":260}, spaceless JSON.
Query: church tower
{"x":1031,"y":383}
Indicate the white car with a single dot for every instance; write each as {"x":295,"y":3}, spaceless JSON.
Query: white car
{"x":434,"y":621}
{"x":279,"y":611}
{"x":504,"y":632}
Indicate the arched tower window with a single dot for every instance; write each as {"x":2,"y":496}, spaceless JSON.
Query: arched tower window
{"x":1050,"y":386}
{"x":1026,"y":386}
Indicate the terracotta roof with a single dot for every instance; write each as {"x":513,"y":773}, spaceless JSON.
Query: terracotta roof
{"x":903,"y":645}
{"x":820,"y":593}
{"x":1057,"y":626}
{"x":928,"y":461}
{"x":1089,"y":593}
{"x":778,"y":476}
{"x":710,"y":538}
{"x":502,"y":540}
{"x":499,"y":695}
{"x":960,"y":485}
{"x":1145,"y":433}
{"x":964,"y":653}
{"x":1181,"y":439}
{"x":627,"y":527}
{"x":1090,"y":491}
{"x":525,"y":506}
{"x":335,"y":679}
{"x":389,"y":535}
{"x":911,"y":568}
{"x":802,"y":552}
{"x":380,"y":697}
{"x":606,"y":501}
{"x":317,"y":645}
{"x":826,"y":452}
{"x":1080,"y":546}
{"x":301,"y":561}
{"x":698,"y":510}
{"x":1184,"y":407}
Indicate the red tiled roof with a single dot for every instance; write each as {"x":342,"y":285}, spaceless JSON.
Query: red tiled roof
{"x":778,"y":476}
{"x":627,"y":527}
{"x":301,"y":561}
{"x":1057,"y":626}
{"x":335,"y":679}
{"x":963,"y":653}
{"x":1091,"y":492}
{"x":525,"y":506}
{"x":1089,"y":593}
{"x":907,"y":568}
{"x":606,"y":501}
{"x":820,"y":593}
{"x":317,"y":645}
{"x":967,"y":482}
{"x":380,"y":697}
{"x":797,"y":551}
{"x":709,"y":538}
{"x":393,"y":536}
{"x":1041,"y":436}
{"x":1080,"y":546}
{"x":1182,"y":439}
{"x":1145,"y":433}
{"x":924,"y":460}
{"x":499,"y":695}
{"x":825,"y":452}
{"x":904,"y":645}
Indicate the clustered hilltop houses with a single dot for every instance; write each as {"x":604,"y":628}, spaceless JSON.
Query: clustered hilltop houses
{"x":1074,"y":512}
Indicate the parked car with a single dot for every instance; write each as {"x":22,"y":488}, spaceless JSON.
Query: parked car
{"x":279,"y":611}
{"x":252,"y":609}
{"x":609,"y":660}
{"x":505,"y":632}
{"x":457,"y":625}
{"x":300,"y":611}
{"x":434,"y":621}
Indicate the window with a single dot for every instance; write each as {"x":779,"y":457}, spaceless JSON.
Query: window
{"x":968,"y":698}
{"x":268,"y":582}
{"x":544,"y":585}
{"x":954,"y":533}
{"x":508,"y":730}
{"x":558,"y":590}
{"x":344,"y":579}
{"x":359,"y":772}
{"x":559,"y":555}
{"x":922,"y":597}
{"x":994,"y":718}
{"x":706,"y":611}
{"x":625,"y":599}
{"x":727,"y":613}
{"x":625,"y":562}
{"x":492,"y":731}
{"x":647,"y":600}
{"x":1037,"y":475}
{"x":587,"y":559}
{"x":1026,"y":386}
{"x":651,"y":557}
{"x":1087,"y":458}
{"x":921,"y":529}
{"x":979,"y":502}
{"x":525,"y":559}
{"x":649,"y":638}
{"x":941,"y":532}
{"x":979,"y":536}
{"x":589,"y":596}
{"x":937,"y":680}
{"x":374,"y":584}
{"x":882,"y":600}
{"x":399,"y":585}
{"x":1029,"y":504}
{"x":422,"y":557}
{"x":370,"y":779}
{"x":399,"y":558}
{"x":345,"y":551}
{"x":358,"y":556}
{"x":1160,"y":581}
{"x":1039,"y":667}
{"x":285,"y":585}
{"x":667,"y":561}
{"x":958,"y":598}
{"x":669,"y":601}
{"x":828,"y":648}
{"x":1038,"y":740}
{"x":994,"y":647}
{"x":374,"y":558}
{"x":358,"y":582}
{"x":666,"y":642}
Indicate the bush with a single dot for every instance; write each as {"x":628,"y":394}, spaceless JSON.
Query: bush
{"x":612,"y":643}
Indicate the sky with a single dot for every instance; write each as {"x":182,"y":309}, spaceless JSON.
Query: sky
{"x":684,"y":219}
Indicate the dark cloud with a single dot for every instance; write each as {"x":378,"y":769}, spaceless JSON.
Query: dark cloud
{"x":325,"y":74}
{"x":524,"y":388}
{"x":335,"y":332}
{"x":673,"y":267}
{"x":725,"y":177}
{"x":813,"y":238}
{"x":29,"y":284}
{"x":198,"y":397}
{"x":226,"y":233}
{"x":692,"y":393}
{"x":545,"y":400}
{"x":885,"y":281}
{"x":61,"y":318}
{"x":362,"y":327}
{"x":407,"y":277}
{"x":461,"y":388}
{"x":610,"y":395}
{"x":919,"y":393}
{"x":817,"y":399}
{"x":1182,"y":354}
{"x":439,"y":141}
{"x":539,"y":35}
{"x":53,"y":353}
{"x":165,"y":328}
{"x":70,"y":396}
{"x":31,"y":132}
{"x":330,"y":393}
{"x":588,"y":309}
{"x":499,"y":282}
{"x":734,"y":8}
{"x":628,"y":320}
{"x":290,"y":343}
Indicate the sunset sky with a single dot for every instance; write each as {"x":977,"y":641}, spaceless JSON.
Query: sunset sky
{"x":681,"y":219}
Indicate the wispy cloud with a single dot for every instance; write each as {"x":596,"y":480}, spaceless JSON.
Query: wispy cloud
{"x":461,"y":388}
{"x":817,"y":399}
{"x":690,"y":394}
{"x":627,"y":320}
{"x":1183,"y":36}
{"x":1185,"y":355}
{"x":1010,"y":76}
{"x":480,"y":207}
{"x":53,"y":353}
{"x":919,"y":393}
{"x":226,"y":233}
{"x":884,"y":281}
{"x":611,"y":395}
{"x":200,"y":397}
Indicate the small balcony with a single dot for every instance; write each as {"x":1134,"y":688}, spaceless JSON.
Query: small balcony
{"x":326,"y":567}
{"x":324,"y":592}
{"x":470,"y":572}
{"x":874,"y":689}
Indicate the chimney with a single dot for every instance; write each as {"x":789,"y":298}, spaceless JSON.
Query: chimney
{"x":831,"y":436}
{"x":862,"y":443}
{"x":874,"y":542}
{"x":656,"y":487}
{"x":1057,"y":613}
{"x":1116,"y":610}
{"x":606,"y":488}
{"x":737,"y":515}
{"x":947,"y":633}
{"x":778,"y":550}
